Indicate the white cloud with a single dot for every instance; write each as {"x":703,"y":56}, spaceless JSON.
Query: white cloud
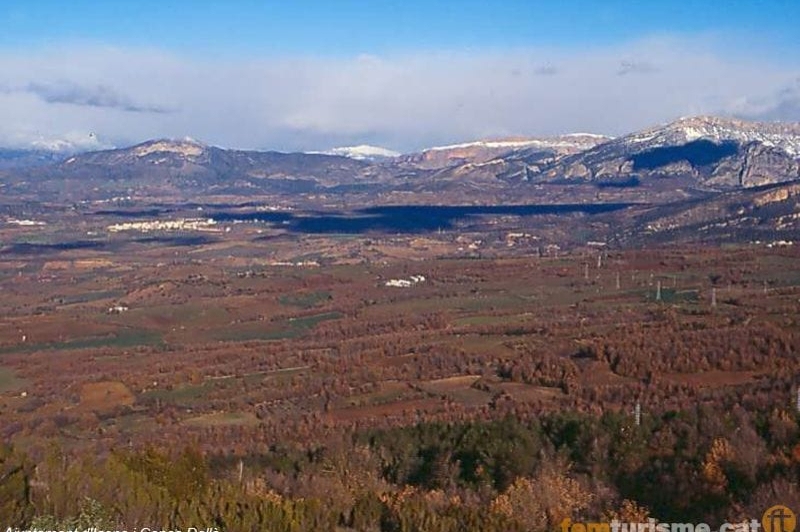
{"x":782,"y":105}
{"x":402,"y":102}
{"x":635,"y":67}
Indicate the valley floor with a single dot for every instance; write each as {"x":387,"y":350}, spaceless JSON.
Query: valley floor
{"x":302,"y":355}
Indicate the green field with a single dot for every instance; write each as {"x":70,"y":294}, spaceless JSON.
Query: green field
{"x":9,"y":381}
{"x":290,"y":328}
{"x":306,"y":300}
{"x":124,"y":339}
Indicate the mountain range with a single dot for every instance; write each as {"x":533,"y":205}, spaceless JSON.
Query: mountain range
{"x":692,"y":172}
{"x":707,"y":153}
{"x":718,"y":153}
{"x":705,"y":178}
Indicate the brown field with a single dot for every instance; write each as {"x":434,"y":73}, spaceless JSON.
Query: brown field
{"x":222,"y":420}
{"x":713,"y":378}
{"x":105,"y":395}
{"x":525,"y":392}
{"x":239,"y":343}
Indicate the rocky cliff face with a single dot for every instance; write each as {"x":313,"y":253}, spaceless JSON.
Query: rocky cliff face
{"x":770,"y":215}
{"x":763,"y":165}
{"x":719,"y":153}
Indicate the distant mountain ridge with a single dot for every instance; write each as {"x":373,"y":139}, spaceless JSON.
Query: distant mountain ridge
{"x":784,"y":135}
{"x":703,"y":154}
{"x":16,"y":158}
{"x":701,"y":179}
{"x":43,"y":151}
{"x":480,"y":151}
{"x":719,"y":152}
{"x":187,"y":168}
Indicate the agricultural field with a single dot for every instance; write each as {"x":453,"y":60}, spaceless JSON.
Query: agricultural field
{"x":456,"y":379}
{"x":234,"y":352}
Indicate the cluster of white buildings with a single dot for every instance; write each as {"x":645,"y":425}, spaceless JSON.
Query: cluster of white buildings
{"x":25,"y":223}
{"x":183,"y":224}
{"x":405,"y":283}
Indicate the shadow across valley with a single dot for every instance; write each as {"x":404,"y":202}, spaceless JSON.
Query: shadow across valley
{"x":30,"y":248}
{"x":406,"y":219}
{"x":108,"y":246}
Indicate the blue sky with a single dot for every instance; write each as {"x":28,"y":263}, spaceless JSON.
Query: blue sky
{"x":380,"y":26}
{"x":315,"y":74}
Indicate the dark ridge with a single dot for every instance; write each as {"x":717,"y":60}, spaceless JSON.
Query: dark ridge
{"x":351,"y":188}
{"x":364,"y":224}
{"x":259,"y":216}
{"x":26,"y":248}
{"x":140,"y":213}
{"x":285,"y":186}
{"x":630,"y":182}
{"x":19,"y":158}
{"x":185,"y":240}
{"x":697,"y":153}
{"x":463,"y":211}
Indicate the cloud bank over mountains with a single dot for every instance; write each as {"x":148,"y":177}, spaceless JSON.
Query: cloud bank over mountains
{"x":103,"y":96}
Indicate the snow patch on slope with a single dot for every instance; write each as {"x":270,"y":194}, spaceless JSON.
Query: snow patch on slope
{"x":363,"y":152}
{"x":573,"y":140}
{"x":70,"y":143}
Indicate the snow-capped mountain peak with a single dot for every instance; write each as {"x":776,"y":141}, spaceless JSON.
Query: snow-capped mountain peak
{"x":70,"y":143}
{"x":363,"y":152}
